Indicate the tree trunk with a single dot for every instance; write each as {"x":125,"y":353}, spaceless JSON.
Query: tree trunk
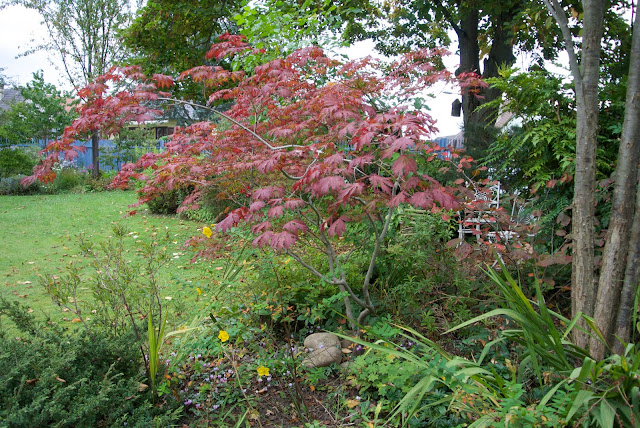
{"x":501,"y":54}
{"x":469,"y":62}
{"x":617,"y":248}
{"x":630,"y":285}
{"x":585,"y":78}
{"x":95,"y":153}
{"x":478,"y":124}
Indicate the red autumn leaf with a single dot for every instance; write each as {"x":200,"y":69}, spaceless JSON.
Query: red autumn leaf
{"x":404,"y":165}
{"x":327,"y":184}
{"x":276,"y":211}
{"x":163,"y":81}
{"x":337,"y":227}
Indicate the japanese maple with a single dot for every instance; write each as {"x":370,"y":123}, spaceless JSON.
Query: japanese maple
{"x":309,"y":146}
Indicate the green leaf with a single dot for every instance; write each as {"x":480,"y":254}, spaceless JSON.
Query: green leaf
{"x":607,"y":414}
{"x":579,"y":401}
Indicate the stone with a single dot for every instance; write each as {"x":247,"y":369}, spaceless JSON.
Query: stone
{"x":321,"y":340}
{"x":323,"y":357}
{"x":324,"y":349}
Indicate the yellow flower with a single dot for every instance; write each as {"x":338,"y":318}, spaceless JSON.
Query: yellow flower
{"x":223,"y":336}
{"x":206,"y":231}
{"x":199,"y":290}
{"x":263,"y":371}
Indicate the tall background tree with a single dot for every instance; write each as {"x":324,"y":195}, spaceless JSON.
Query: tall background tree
{"x":82,"y":34}
{"x":43,"y":114}
{"x":169,"y":36}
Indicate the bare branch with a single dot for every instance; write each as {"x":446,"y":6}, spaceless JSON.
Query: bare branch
{"x":230,"y":119}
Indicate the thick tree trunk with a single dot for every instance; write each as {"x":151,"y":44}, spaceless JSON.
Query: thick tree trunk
{"x":617,"y":257}
{"x":469,"y":62}
{"x":583,"y":291}
{"x":500,"y":55}
{"x":478,"y":124}
{"x":95,"y":153}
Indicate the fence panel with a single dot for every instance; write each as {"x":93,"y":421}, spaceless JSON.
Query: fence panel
{"x":111,"y":158}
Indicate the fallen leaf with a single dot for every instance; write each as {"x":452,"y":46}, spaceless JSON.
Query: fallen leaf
{"x":31,"y":381}
{"x":61,"y":380}
{"x":76,"y":320}
{"x":351,"y":403}
{"x":142,"y":387}
{"x":346,"y":351}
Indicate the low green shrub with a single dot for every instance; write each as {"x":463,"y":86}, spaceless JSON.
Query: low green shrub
{"x":13,"y":186}
{"x":68,"y":180}
{"x":53,"y":377}
{"x":168,"y":202}
{"x":16,"y":162}
{"x":213,"y":204}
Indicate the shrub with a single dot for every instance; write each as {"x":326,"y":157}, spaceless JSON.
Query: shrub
{"x":69,"y":180}
{"x":214,"y":203}
{"x":52,"y":377}
{"x":167,"y":202}
{"x":13,"y":186}
{"x":15,"y":162}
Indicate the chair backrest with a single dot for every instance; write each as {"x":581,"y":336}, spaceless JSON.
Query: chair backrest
{"x":491,"y":195}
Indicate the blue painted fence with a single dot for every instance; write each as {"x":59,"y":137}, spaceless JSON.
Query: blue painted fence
{"x":110,"y":157}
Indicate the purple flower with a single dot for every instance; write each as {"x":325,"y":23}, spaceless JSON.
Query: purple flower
{"x":187,"y":402}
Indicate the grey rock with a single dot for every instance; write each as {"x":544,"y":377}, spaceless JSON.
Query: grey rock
{"x":324,"y":349}
{"x":318,"y":341}
{"x":323,"y":357}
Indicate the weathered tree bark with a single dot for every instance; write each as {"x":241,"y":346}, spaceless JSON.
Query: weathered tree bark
{"x":467,"y":34}
{"x":585,"y":77}
{"x":476,"y":121}
{"x":583,"y":291}
{"x":95,"y":153}
{"x":624,"y":317}
{"x":619,"y":260}
{"x":501,"y":54}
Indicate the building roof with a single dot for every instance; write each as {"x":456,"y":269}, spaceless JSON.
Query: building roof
{"x":9,"y":96}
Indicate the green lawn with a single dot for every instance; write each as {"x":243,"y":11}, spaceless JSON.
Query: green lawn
{"x":38,"y":235}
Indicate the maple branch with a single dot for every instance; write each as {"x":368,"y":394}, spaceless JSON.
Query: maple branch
{"x":292,"y":177}
{"x":376,"y":250}
{"x":230,"y":119}
{"x":307,"y":266}
{"x":373,"y":223}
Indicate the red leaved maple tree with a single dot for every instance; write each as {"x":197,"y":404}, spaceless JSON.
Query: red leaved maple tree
{"x":315,"y":144}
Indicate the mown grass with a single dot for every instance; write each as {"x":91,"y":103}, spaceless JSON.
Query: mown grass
{"x":39,"y":235}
